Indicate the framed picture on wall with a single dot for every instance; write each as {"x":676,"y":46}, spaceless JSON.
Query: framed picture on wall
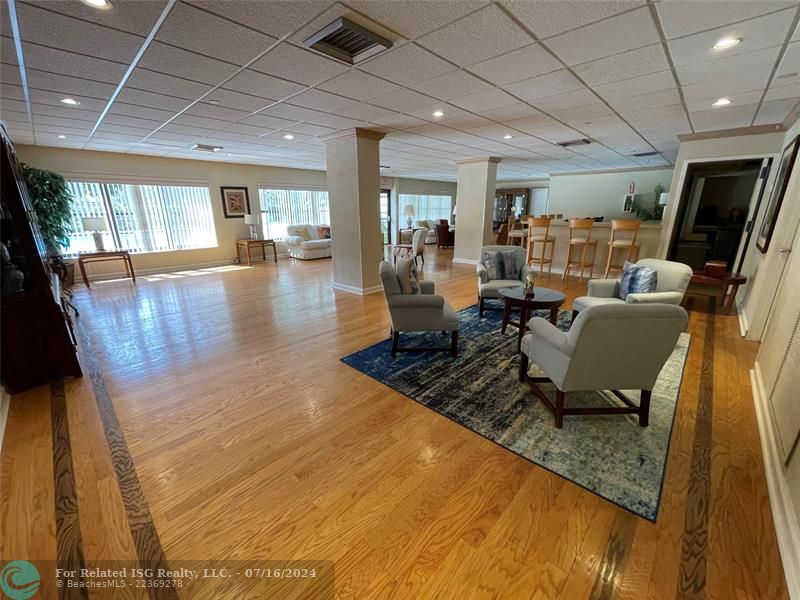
{"x":776,"y":197}
{"x":235,"y":202}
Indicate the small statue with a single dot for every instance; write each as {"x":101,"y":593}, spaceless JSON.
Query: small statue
{"x":530,"y":280}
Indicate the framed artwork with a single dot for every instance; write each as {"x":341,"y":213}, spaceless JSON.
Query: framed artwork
{"x":627,"y":203}
{"x":776,"y":197}
{"x":235,"y":202}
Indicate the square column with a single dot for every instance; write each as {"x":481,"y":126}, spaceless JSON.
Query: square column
{"x":477,"y":178}
{"x":353,"y":176}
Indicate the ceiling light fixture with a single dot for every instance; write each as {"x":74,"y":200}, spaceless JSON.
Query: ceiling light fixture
{"x":507,"y":136}
{"x":62,"y":137}
{"x":70,"y":101}
{"x":722,"y":102}
{"x":288,"y":136}
{"x":727,"y":42}
{"x":101,"y":4}
{"x":212,"y":101}
{"x":438,"y":114}
{"x":206,"y":148}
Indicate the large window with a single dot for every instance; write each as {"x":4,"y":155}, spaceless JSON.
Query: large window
{"x":142,"y":218}
{"x":283,"y":207}
{"x":427,"y":207}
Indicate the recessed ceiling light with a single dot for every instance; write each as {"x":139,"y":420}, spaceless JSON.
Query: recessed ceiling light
{"x":438,"y":114}
{"x":102,"y":4}
{"x":507,"y":136}
{"x":727,"y":42}
{"x":288,"y":136}
{"x":722,"y":102}
{"x":70,"y":101}
{"x":206,"y":148}
{"x":62,"y":137}
{"x":212,"y":101}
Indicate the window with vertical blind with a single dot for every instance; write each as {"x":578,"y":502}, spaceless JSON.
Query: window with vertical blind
{"x":427,"y":206}
{"x":142,"y":217}
{"x":281,"y":207}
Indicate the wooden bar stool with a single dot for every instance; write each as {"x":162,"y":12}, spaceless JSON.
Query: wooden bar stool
{"x":539,"y":233}
{"x":582,"y":248}
{"x":629,"y":228}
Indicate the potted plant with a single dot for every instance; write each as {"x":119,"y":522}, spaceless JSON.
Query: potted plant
{"x":653,"y":211}
{"x":51,"y":199}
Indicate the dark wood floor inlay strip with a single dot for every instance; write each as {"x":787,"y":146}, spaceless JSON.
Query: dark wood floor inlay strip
{"x":69,"y":542}
{"x":615,"y":557}
{"x":694,"y":547}
{"x":143,"y":531}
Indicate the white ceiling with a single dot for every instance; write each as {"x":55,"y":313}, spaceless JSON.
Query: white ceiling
{"x":629,"y":74}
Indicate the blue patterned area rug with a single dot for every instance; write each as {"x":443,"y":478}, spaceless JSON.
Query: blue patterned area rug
{"x":609,"y":455}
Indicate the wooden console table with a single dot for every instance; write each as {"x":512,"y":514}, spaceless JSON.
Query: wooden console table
{"x":248,"y":244}
{"x":106,"y":255}
{"x":714,"y":274}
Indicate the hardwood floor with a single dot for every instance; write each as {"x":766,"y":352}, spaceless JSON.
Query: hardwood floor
{"x":249,"y":439}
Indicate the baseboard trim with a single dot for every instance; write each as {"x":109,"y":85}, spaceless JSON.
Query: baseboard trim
{"x":356,"y":290}
{"x":5,"y":403}
{"x":157,"y":270}
{"x":787,"y":527}
{"x":465,"y":261}
{"x":744,"y":322}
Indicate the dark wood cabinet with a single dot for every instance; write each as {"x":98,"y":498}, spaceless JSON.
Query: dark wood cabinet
{"x":37,"y":344}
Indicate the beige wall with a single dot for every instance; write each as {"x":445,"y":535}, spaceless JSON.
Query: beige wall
{"x":602,"y":194}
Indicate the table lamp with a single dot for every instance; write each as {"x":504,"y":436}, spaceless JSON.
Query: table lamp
{"x":253,"y":221}
{"x":95,"y":225}
{"x":408,"y":211}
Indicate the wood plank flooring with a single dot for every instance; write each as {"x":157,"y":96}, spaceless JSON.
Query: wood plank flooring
{"x":217,"y":422}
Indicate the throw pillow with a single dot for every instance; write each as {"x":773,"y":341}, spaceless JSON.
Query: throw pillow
{"x":303,"y":233}
{"x":637,"y":280}
{"x":407,"y":276}
{"x":502,"y":264}
{"x":324,"y":233}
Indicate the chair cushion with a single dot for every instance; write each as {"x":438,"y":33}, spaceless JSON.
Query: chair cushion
{"x":312,"y":244}
{"x":491,"y":289}
{"x":503,"y":264}
{"x":449,"y":318}
{"x":407,"y":276}
{"x":623,"y":243}
{"x":585,"y":302}
{"x":637,"y":280}
{"x":540,"y":237}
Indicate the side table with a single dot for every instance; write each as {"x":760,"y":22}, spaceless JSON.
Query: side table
{"x":106,"y":255}
{"x":248,"y":244}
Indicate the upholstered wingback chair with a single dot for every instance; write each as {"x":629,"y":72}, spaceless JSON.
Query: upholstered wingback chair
{"x":417,"y":312}
{"x":609,"y":347}
{"x":673,"y":279}
{"x":489,"y":288}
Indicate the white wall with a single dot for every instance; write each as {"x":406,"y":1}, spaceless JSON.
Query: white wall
{"x":601,"y":194}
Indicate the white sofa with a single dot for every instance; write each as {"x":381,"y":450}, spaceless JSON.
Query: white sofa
{"x":430,"y":225}
{"x":308,"y":246}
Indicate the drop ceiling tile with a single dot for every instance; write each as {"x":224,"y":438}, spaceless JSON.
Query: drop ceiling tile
{"x":359,"y":86}
{"x":736,"y":99}
{"x":319,"y":100}
{"x":244,"y":102}
{"x":266,"y":86}
{"x":111,"y":128}
{"x":756,"y":34}
{"x":790,"y":63}
{"x":413,"y":18}
{"x":54,"y":99}
{"x":150,"y":81}
{"x":9,"y":74}
{"x":184,"y":22}
{"x":452,"y":85}
{"x":201,"y":122}
{"x":524,"y":63}
{"x":750,"y":82}
{"x":131,"y":122}
{"x":364,"y":112}
{"x":775,"y":111}
{"x":684,"y":17}
{"x":669,"y":97}
{"x":483,"y":101}
{"x":403,"y":100}
{"x":636,"y":86}
{"x":64,"y":112}
{"x":151,"y":100}
{"x":615,"y":35}
{"x":65,"y":63}
{"x":406,"y":65}
{"x":477,"y":37}
{"x":517,"y":110}
{"x":291,"y":112}
{"x":399,"y":121}
{"x":248,"y":130}
{"x":182,"y":63}
{"x":8,"y":51}
{"x":550,"y":17}
{"x":142,"y":112}
{"x":570,"y":100}
{"x":299,"y":65}
{"x":11,"y":92}
{"x":65,"y":122}
{"x":212,"y":111}
{"x":107,"y":136}
{"x":786,"y":92}
{"x":558,"y":82}
{"x":724,"y":118}
{"x":134,"y":16}
{"x":337,"y":122}
{"x":68,"y":86}
{"x":266,"y":123}
{"x":14,"y":116}
{"x":731,"y":67}
{"x":275,"y":18}
{"x":464,"y":120}
{"x":172,"y":138}
{"x":636,"y":63}
{"x":315,"y":130}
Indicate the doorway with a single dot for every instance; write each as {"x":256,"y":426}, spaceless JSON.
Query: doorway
{"x":716,"y":212}
{"x":386,"y":214}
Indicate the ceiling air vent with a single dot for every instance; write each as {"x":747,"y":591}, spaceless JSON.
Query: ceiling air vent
{"x":347,"y":42}
{"x":206,"y":148}
{"x":580,"y":142}
{"x":643,"y":154}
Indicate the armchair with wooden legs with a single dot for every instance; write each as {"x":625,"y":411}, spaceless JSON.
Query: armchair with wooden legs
{"x":609,"y":347}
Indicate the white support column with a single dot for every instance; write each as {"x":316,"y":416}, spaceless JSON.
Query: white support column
{"x":353,"y":176}
{"x":477,"y":178}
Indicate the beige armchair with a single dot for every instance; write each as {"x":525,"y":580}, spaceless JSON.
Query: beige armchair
{"x":490,"y":288}
{"x":673,"y":279}
{"x":417,"y":312}
{"x":414,"y":249}
{"x":609,"y":347}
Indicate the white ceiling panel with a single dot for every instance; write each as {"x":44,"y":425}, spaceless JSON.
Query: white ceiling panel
{"x":299,"y":65}
{"x":319,"y":100}
{"x":615,"y":35}
{"x":669,"y":97}
{"x":363,"y":112}
{"x":214,"y":111}
{"x":729,"y":67}
{"x":775,"y":111}
{"x":404,"y":101}
{"x":159,"y":83}
{"x":65,"y":63}
{"x":275,"y":18}
{"x":736,"y":100}
{"x":134,"y":16}
{"x":54,"y":99}
{"x":786,"y":92}
{"x":636,"y":86}
{"x":359,"y":86}
{"x":477,"y":37}
{"x":399,"y":121}
{"x":413,"y":18}
{"x":558,"y":82}
{"x":406,"y":65}
{"x":724,"y":118}
{"x":185,"y":24}
{"x":524,"y":63}
{"x":636,"y":63}
{"x":490,"y":99}
{"x":266,"y":122}
{"x":684,"y":17}
{"x":11,"y":92}
{"x":790,"y":63}
{"x":151,"y":100}
{"x":266,"y":86}
{"x":712,"y":90}
{"x":291,"y":112}
{"x":453,"y":85}
{"x":142,"y":112}
{"x":9,"y":74}
{"x":8,"y":51}
{"x":68,"y":86}
{"x":182,"y":63}
{"x":236,"y":100}
{"x":202,"y":122}
{"x":575,"y":99}
{"x":550,"y":17}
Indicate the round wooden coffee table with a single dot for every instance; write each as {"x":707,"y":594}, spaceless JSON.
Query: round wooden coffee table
{"x":541,"y":298}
